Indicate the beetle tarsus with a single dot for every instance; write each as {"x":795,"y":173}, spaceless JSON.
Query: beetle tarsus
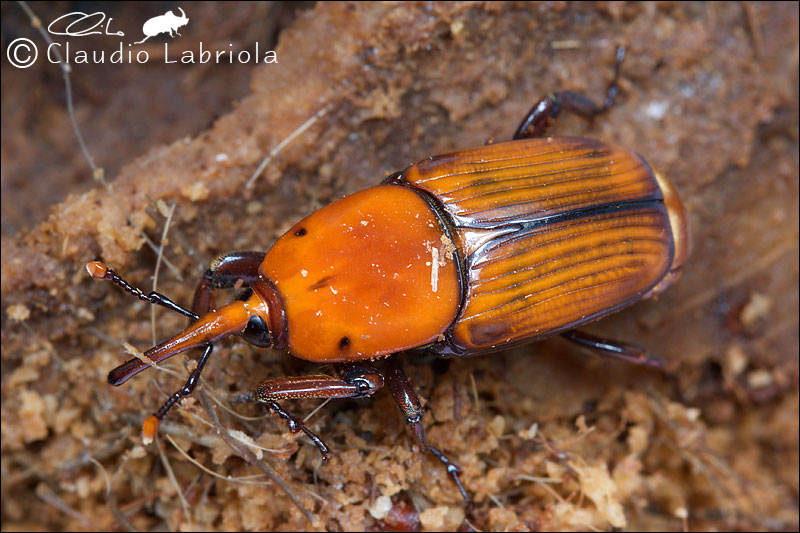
{"x":296,"y":425}
{"x":631,"y":353}
{"x":454,"y":472}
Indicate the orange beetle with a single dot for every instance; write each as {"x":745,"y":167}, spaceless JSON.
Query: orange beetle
{"x":458,"y":254}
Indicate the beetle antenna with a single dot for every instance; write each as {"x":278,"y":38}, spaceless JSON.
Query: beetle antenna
{"x":100,"y":270}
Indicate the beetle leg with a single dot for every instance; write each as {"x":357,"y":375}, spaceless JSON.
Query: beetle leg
{"x":127,"y":369}
{"x":150,"y":425}
{"x":357,"y":380}
{"x":541,"y":115}
{"x":295,"y":425}
{"x":408,"y":401}
{"x":632,"y":353}
{"x":224,"y":272}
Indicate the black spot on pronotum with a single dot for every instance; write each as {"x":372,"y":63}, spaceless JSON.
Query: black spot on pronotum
{"x":300,"y":232}
{"x":321,"y":283}
{"x":344,"y":343}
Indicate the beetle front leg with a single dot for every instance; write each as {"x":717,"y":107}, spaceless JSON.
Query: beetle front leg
{"x":357,"y":380}
{"x":150,"y":425}
{"x":224,"y":273}
{"x":408,"y":401}
{"x":541,"y":115}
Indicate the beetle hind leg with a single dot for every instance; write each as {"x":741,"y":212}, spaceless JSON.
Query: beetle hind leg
{"x":544,"y":112}
{"x":630,"y":353}
{"x":408,"y":401}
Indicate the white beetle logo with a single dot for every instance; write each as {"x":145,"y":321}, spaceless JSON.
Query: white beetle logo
{"x":168,"y":22}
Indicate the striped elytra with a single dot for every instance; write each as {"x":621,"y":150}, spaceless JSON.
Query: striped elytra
{"x":552,"y":233}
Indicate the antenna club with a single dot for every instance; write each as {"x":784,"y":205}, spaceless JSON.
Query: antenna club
{"x":149,"y":429}
{"x":97,"y":269}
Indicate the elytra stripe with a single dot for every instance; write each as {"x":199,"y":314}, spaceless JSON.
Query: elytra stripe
{"x":525,"y":290}
{"x":544,"y":208}
{"x":573,"y":182}
{"x":482,"y":281}
{"x":528,"y":280}
{"x":487,"y":175}
{"x":479,"y":185}
{"x":570,"y":232}
{"x":487,"y":158}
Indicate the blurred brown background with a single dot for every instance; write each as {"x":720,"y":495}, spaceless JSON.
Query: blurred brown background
{"x":709,"y":97}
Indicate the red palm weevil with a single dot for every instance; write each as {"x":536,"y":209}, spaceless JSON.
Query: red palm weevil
{"x":459,"y":254}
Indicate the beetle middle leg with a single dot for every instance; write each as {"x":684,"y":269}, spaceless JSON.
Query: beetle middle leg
{"x":541,"y":115}
{"x":408,"y":401}
{"x":356,"y":380}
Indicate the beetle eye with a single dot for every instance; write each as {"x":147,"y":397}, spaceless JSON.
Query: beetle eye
{"x":257,"y":333}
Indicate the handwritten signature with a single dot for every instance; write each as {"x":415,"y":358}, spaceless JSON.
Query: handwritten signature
{"x":81,"y":24}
